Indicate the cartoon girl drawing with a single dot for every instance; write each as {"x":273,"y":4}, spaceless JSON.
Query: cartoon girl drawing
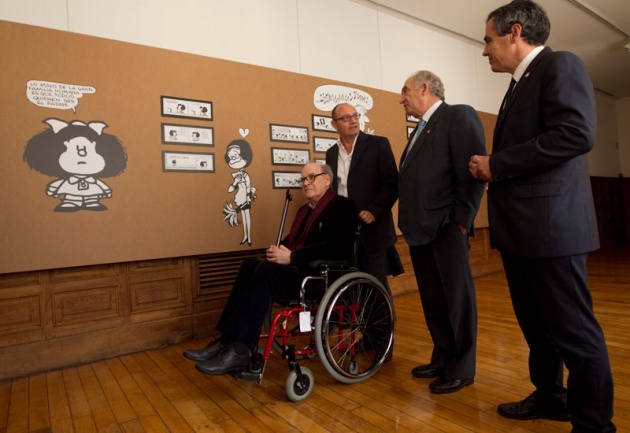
{"x":238,"y":156}
{"x":79,"y":155}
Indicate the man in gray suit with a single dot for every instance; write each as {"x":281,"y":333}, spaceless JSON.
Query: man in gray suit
{"x":438,"y":202}
{"x":542,"y":217}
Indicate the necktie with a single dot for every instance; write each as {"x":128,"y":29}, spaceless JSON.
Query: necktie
{"x":507,"y":94}
{"x":421,"y":126}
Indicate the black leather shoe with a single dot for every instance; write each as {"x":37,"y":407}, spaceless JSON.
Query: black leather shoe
{"x":427,"y":371}
{"x":210,"y":351}
{"x":226,"y":362}
{"x":533,"y":408}
{"x":445,"y":384}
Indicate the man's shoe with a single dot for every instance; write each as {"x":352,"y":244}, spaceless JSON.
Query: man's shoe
{"x":445,"y":384}
{"x":226,"y":362}
{"x":533,"y":408}
{"x":427,"y":371}
{"x":210,"y":351}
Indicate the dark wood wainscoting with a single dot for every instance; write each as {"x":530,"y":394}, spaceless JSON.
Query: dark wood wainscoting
{"x":56,"y":318}
{"x":612,"y":205}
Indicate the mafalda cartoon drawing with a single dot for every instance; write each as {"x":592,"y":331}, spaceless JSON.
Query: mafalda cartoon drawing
{"x":79,"y":155}
{"x":238,"y":156}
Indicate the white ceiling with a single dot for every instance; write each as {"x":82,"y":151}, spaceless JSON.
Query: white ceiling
{"x":574,"y":27}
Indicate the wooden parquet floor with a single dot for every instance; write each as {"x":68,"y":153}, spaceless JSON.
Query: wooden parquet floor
{"x":160,"y":391}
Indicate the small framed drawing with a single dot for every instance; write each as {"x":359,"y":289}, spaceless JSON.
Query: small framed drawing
{"x":186,"y":108}
{"x":286,"y":179}
{"x":188,"y":161}
{"x":322,"y":144}
{"x":322,"y":123}
{"x":320,"y":160}
{"x":282,"y":156}
{"x":293,"y":134}
{"x":185,"y":134}
{"x":410,"y":130}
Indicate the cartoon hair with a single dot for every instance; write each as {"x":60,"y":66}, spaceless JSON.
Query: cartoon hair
{"x":245,"y":149}
{"x":43,"y":150}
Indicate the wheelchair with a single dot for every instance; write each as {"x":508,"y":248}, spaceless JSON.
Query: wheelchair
{"x":350,"y":329}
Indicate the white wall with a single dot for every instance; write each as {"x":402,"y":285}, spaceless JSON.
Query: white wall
{"x":354,"y":41}
{"x":622,"y":108}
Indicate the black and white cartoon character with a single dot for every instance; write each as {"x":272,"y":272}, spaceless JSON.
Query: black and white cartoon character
{"x":79,"y":155}
{"x":238,"y":156}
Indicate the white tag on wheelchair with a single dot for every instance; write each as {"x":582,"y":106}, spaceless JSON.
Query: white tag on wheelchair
{"x":305,"y":321}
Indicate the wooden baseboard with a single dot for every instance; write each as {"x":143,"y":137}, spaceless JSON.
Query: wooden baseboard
{"x":57,"y":318}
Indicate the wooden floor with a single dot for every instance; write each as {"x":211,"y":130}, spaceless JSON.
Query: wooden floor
{"x":160,"y":391}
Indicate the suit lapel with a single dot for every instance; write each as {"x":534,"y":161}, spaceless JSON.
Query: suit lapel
{"x":334,"y":160}
{"x":521,"y":87}
{"x":424,"y":136}
{"x":359,"y":149}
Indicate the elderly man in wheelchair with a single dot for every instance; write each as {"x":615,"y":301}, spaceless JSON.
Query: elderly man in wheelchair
{"x":352,"y":318}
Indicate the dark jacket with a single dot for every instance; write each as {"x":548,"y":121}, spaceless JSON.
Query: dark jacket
{"x":540,"y":203}
{"x":373,"y":186}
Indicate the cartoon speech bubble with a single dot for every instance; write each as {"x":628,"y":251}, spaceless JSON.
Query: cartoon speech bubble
{"x":326,"y":97}
{"x":56,"y":95}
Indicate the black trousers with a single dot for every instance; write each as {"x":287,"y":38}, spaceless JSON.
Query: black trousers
{"x":554,"y":309}
{"x":256,"y":286}
{"x":449,"y":302}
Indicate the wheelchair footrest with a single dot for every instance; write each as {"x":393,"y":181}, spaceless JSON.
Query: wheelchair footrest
{"x":253,"y":376}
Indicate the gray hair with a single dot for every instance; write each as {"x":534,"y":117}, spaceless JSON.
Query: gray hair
{"x":433,"y":81}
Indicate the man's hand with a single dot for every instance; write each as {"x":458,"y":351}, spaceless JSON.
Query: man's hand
{"x":279,"y":254}
{"x":479,"y":167}
{"x":366,"y":217}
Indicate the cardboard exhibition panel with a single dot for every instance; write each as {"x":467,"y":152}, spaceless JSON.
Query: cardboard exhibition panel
{"x":116,"y":152}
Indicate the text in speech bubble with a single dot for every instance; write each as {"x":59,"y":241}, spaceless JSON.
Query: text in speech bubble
{"x":56,"y":95}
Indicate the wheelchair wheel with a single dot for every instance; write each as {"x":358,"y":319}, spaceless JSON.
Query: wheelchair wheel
{"x":298,"y":387}
{"x":354,"y":327}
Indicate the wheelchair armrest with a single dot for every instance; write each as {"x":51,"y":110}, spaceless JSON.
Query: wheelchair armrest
{"x":318,"y":264}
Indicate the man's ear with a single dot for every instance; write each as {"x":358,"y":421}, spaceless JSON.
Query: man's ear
{"x":515,"y":32}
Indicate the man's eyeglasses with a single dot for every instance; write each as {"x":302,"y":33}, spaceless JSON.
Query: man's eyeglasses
{"x":347,"y":117}
{"x":310,"y":178}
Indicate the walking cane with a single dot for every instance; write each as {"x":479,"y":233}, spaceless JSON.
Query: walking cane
{"x":284,"y":216}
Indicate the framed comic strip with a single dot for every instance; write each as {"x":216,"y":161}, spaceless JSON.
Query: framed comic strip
{"x":288,"y":133}
{"x":282,"y":156}
{"x":187,"y":161}
{"x":322,"y":144}
{"x":322,"y":123}
{"x":186,"y":108}
{"x":286,"y":179}
{"x":186,"y":134}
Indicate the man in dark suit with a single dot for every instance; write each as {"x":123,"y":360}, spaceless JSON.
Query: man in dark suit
{"x":364,"y":170}
{"x":542,"y":217}
{"x":438,"y":202}
{"x":323,"y":229}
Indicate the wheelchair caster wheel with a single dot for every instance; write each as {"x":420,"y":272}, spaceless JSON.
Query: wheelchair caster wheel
{"x":298,"y":387}
{"x":353,"y":367}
